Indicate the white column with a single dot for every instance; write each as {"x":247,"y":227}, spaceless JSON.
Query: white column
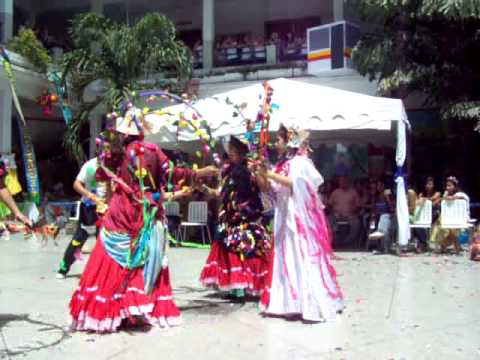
{"x":96,"y":6}
{"x":95,"y":128}
{"x":6,"y":20}
{"x":208,"y":33}
{"x":338,"y":10}
{"x":5,"y":120}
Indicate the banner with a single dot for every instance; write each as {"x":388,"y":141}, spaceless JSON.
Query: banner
{"x":29,"y":162}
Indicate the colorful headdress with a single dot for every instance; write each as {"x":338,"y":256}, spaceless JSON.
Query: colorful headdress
{"x":239,"y":144}
{"x":132,"y":123}
{"x":296,"y":138}
{"x":453,"y":180}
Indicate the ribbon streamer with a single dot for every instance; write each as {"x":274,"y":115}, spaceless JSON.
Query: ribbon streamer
{"x":60,"y":90}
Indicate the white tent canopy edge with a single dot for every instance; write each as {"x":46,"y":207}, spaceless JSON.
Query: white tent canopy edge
{"x":331,"y":115}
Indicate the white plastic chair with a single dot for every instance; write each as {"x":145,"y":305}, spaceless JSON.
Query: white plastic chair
{"x":172,"y":208}
{"x":423,"y":216}
{"x":30,"y":210}
{"x":73,"y":208}
{"x":75,"y":215}
{"x":197,"y":217}
{"x":455,"y":214}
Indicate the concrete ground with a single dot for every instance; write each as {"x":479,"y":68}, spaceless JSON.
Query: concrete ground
{"x":417,"y":307}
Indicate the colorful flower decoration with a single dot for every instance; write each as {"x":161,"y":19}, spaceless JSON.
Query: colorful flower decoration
{"x":247,"y":239}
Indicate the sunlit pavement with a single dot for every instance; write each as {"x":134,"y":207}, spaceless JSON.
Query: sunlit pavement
{"x":416,"y":307}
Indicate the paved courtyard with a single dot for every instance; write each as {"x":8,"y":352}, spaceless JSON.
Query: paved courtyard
{"x":417,"y":307}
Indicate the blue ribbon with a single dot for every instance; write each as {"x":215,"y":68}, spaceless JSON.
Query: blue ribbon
{"x":399,"y":172}
{"x":60,"y":90}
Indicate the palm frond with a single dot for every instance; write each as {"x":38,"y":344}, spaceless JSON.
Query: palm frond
{"x":120,"y":56}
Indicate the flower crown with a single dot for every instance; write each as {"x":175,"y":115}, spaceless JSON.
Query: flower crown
{"x":452,"y":179}
{"x":296,"y":138}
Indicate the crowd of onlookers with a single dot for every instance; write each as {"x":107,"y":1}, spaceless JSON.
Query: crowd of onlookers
{"x":249,"y":49}
{"x":358,"y":210}
{"x":366,"y":210}
{"x":228,"y":50}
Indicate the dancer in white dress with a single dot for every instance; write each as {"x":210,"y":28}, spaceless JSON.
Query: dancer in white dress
{"x":303,"y":282}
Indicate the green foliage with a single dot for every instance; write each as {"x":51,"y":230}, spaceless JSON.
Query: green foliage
{"x":122,"y":57}
{"x":27,"y":45}
{"x":432,"y":46}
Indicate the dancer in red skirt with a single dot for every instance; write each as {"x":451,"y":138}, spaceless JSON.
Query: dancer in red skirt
{"x":127,"y":276}
{"x":239,"y":258}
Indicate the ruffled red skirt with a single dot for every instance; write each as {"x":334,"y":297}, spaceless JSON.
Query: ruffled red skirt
{"x":224,"y":270}
{"x":265,"y":296}
{"x":108,"y":294}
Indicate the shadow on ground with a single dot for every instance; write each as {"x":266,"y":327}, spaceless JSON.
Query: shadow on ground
{"x":41,"y":328}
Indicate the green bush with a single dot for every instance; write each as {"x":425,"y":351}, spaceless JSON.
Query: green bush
{"x":27,"y":45}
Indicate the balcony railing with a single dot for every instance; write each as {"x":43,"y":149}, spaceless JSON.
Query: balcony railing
{"x":246,"y":55}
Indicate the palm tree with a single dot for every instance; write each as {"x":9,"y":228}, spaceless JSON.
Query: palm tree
{"x":120,"y":58}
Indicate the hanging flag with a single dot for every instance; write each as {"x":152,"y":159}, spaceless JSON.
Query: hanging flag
{"x":29,"y":162}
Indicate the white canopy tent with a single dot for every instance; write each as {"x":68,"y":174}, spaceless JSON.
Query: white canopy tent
{"x":331,"y":116}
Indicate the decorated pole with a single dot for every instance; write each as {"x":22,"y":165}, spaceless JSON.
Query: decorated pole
{"x":263,"y":117}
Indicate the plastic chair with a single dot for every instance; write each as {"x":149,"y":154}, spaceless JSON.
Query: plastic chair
{"x":197,"y":217}
{"x":423,"y":216}
{"x":73,"y":208}
{"x":75,"y":214}
{"x":172,"y":212}
{"x":455,"y":214}
{"x":172,"y":208}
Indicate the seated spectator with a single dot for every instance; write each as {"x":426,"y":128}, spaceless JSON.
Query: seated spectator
{"x":446,"y":237}
{"x":230,"y":46}
{"x":290,"y":48}
{"x":246,"y":49}
{"x":382,"y":217}
{"x":258,"y":41}
{"x":198,"y":53}
{"x":275,"y":39}
{"x":344,"y":205}
{"x":428,"y":193}
{"x":300,"y":41}
{"x":220,"y":55}
{"x":229,"y":42}
{"x":290,"y":40}
{"x":362,"y":192}
{"x":246,"y":41}
{"x":259,"y":50}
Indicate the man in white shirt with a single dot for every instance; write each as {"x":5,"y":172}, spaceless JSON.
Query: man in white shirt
{"x":86,"y":185}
